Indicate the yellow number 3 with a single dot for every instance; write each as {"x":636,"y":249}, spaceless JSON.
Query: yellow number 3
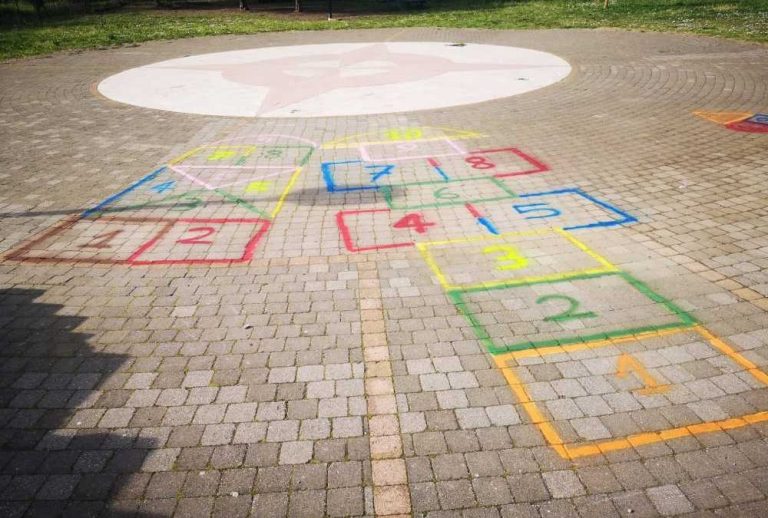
{"x":510,"y":258}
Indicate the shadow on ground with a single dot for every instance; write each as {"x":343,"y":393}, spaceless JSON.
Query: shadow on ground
{"x":54,"y":461}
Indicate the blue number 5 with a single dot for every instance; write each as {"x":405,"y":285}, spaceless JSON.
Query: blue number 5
{"x":543,"y":210}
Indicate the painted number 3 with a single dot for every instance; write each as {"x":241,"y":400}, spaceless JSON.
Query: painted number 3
{"x":570,"y":313}
{"x":508,"y":259}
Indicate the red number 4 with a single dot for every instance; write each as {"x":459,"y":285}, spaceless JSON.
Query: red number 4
{"x":415,"y":221}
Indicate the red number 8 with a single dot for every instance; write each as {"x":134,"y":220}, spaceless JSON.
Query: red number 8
{"x":479,"y":162}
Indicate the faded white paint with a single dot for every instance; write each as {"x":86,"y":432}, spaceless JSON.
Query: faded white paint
{"x":335,"y":79}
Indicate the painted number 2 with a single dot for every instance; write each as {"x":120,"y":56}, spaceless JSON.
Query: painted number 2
{"x":509,"y":258}
{"x":198,"y":239}
{"x":571,"y":312}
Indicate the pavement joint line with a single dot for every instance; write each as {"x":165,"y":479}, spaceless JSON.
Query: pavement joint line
{"x":391,"y":496}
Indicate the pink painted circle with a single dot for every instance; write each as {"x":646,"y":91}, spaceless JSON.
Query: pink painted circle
{"x":335,"y":79}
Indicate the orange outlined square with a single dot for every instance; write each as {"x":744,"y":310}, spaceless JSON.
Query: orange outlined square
{"x":575,"y":450}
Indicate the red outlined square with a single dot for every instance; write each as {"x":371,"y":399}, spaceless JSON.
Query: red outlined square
{"x":105,"y":240}
{"x":351,"y":242}
{"x":530,"y":165}
{"x":203,"y":241}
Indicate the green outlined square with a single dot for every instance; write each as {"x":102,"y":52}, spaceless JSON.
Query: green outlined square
{"x":619,"y":287}
{"x":444,"y":193}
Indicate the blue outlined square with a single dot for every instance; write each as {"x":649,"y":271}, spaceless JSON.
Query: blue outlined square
{"x":542,"y":211}
{"x":341,"y":176}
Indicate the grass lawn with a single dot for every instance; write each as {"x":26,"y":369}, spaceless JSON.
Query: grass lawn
{"x":25,"y":36}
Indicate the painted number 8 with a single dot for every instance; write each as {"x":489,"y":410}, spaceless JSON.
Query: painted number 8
{"x":479,"y":162}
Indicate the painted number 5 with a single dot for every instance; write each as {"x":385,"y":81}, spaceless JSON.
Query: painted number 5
{"x":509,"y":258}
{"x":537,"y":210}
{"x":570,"y":313}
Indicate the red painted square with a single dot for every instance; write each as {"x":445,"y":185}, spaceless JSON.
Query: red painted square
{"x":504,"y":162}
{"x":203,"y":241}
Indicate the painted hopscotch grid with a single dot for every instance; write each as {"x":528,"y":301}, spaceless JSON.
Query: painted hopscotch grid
{"x":605,"y":381}
{"x":516,"y":258}
{"x":178,"y":215}
{"x":359,"y":174}
{"x":549,"y":314}
{"x":488,"y":218}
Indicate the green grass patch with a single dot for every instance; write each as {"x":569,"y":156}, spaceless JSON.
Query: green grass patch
{"x":23,"y":35}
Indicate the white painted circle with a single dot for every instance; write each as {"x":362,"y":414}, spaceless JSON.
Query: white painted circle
{"x":335,"y":79}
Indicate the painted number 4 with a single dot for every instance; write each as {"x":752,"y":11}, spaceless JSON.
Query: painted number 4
{"x":414,"y":221}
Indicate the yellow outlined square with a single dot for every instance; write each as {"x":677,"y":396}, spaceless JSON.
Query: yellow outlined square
{"x":574,"y":451}
{"x":513,"y":279}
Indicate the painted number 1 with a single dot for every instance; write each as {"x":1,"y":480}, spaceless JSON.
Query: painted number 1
{"x":570,"y":313}
{"x":510,"y":258}
{"x":102,"y":240}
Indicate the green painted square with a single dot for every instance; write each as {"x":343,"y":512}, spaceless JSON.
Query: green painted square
{"x":445,"y":193}
{"x":561,"y":295}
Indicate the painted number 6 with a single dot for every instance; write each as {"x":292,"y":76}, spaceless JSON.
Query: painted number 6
{"x":510,"y":258}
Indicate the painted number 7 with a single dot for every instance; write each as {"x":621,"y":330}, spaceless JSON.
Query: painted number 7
{"x":510,"y":258}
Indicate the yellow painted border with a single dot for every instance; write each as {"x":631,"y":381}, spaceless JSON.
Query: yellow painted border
{"x":574,"y":451}
{"x":351,"y":142}
{"x":283,"y":195}
{"x":605,"y":267}
{"x":286,"y":192}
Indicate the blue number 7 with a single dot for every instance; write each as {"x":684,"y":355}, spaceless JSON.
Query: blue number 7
{"x":542,"y":208}
{"x":378,"y":171}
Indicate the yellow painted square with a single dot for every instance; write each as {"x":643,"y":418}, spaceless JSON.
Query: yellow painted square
{"x":510,"y":259}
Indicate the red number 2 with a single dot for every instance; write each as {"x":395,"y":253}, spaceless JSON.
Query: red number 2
{"x":200,"y":238}
{"x":415,"y":221}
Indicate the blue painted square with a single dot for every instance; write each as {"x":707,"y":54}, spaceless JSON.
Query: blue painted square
{"x":355,"y":175}
{"x":532,"y":206}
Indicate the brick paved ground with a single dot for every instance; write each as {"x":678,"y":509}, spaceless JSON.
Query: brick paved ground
{"x":269,"y":347}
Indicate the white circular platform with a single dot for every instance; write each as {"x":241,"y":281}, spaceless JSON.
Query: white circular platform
{"x":335,"y":79}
